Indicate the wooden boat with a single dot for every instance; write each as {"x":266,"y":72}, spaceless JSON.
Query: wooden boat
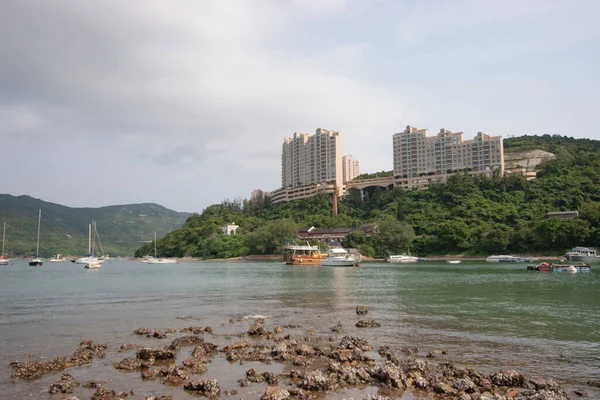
{"x":303,"y":255}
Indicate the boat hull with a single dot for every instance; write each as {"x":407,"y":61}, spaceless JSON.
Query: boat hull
{"x":36,"y":263}
{"x":3,"y":261}
{"x":340,"y":262}
{"x":582,"y":258}
{"x":304,"y":261}
{"x":162,"y":261}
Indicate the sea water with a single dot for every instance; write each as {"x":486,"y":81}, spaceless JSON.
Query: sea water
{"x":485,"y":316}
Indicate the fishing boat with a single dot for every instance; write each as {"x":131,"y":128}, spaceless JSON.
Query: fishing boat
{"x":582,"y":254}
{"x":37,"y":261}
{"x":453,"y":261}
{"x":57,"y":258}
{"x":303,"y":255}
{"x":156,"y":260}
{"x":3,"y":259}
{"x":337,"y":256}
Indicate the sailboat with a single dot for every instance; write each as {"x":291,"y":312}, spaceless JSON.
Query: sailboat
{"x":3,"y":259}
{"x":156,"y":260}
{"x":37,"y":261}
{"x":86,"y":259}
{"x":94,"y":262}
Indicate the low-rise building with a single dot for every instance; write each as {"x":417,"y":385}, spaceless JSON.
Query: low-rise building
{"x":326,"y":235}
{"x":229,"y":229}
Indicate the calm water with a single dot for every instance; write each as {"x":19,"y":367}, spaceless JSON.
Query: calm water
{"x":485,"y":315}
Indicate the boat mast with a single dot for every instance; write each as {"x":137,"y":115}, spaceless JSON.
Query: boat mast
{"x":37,"y":246}
{"x":154,"y":244}
{"x":3,"y":239}
{"x":93,"y":238}
{"x":89,"y":238}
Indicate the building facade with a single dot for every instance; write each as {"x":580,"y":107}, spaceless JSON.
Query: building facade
{"x":310,"y":163}
{"x":420,"y":160}
{"x":350,"y":168}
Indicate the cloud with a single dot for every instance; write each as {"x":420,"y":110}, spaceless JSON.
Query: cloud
{"x":199,"y":96}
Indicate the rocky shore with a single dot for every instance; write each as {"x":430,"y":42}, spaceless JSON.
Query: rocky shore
{"x":312,"y":366}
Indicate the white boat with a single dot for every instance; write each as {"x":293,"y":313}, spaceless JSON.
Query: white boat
{"x":93,"y":262}
{"x":340,"y":257}
{"x":583,"y":254}
{"x":37,"y":261}
{"x":156,"y":260}
{"x":572,"y":269}
{"x":57,"y":258}
{"x":503,"y":258}
{"x":402,"y":258}
{"x":3,"y":259}
{"x":453,"y":261}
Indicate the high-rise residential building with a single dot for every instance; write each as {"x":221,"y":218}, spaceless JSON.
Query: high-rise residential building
{"x":350,"y":168}
{"x":310,"y":164}
{"x":308,"y":159}
{"x":420,"y":160}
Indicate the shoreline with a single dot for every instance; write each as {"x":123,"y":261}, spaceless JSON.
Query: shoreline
{"x":310,"y":366}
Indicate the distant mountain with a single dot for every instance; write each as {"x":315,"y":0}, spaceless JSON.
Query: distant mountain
{"x":122,"y":229}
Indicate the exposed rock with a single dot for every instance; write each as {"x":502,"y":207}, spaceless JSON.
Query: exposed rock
{"x":278,"y":329}
{"x":369,"y":323}
{"x":543,"y":394}
{"x":271,"y":378}
{"x":314,"y":380}
{"x":195,"y":366}
{"x":126,"y":347}
{"x":208,"y":387}
{"x":465,"y":385}
{"x":65,"y":385}
{"x":189,"y":340}
{"x":258,"y":329}
{"x":173,"y":380}
{"x":421,"y":383}
{"x":159,"y":397}
{"x":254,"y":376}
{"x":143,"y":331}
{"x":94,"y":384}
{"x":104,"y":394}
{"x":128,"y":364}
{"x":594,"y":383}
{"x":236,"y":346}
{"x":507,"y":378}
{"x":444,"y":388}
{"x":159,"y":335}
{"x":541,"y":384}
{"x":390,"y":374}
{"x":196,"y":330}
{"x":150,"y":373}
{"x":351,"y":342}
{"x":582,"y":393}
{"x":338,"y":328}
{"x":275,"y":393}
{"x":409,"y":350}
{"x":157,"y":354}
{"x":361,"y":310}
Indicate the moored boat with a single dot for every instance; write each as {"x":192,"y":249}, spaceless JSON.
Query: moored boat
{"x":402,"y":258}
{"x":303,"y":255}
{"x":547,"y":267}
{"x":3,"y":259}
{"x":502,"y":258}
{"x":37,"y":261}
{"x":453,"y":261}
{"x":582,"y":254}
{"x":337,"y":256}
{"x":57,"y":258}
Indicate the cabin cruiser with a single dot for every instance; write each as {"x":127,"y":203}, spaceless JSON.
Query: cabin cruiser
{"x":339,"y":257}
{"x":582,"y":254}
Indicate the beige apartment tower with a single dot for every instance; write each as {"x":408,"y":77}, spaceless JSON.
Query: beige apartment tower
{"x":350,"y":168}
{"x":310,"y":159}
{"x":420,"y":159}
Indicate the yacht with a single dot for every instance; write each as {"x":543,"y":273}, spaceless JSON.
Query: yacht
{"x":339,"y":257}
{"x":582,"y":254}
{"x":3,"y":259}
{"x":57,"y":258}
{"x":503,"y":259}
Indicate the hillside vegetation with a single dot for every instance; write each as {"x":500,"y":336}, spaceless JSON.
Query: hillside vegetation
{"x":476,"y":216}
{"x":65,"y":230}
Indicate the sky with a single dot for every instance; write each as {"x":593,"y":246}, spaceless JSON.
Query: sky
{"x":187,"y":103}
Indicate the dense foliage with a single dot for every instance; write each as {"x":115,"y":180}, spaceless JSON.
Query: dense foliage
{"x":464,"y":216}
{"x":65,"y":230}
{"x":380,"y":174}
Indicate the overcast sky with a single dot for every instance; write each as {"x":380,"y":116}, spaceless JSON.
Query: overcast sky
{"x":186,"y":103}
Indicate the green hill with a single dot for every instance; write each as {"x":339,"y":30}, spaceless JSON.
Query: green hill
{"x":64,"y":230}
{"x":466,"y":215}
